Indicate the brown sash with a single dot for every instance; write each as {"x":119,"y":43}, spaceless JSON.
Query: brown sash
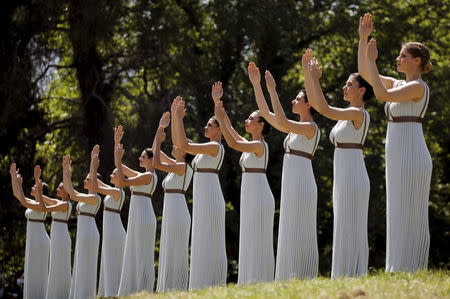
{"x":36,"y":220}
{"x":141,"y":194}
{"x":254,"y":170}
{"x":86,"y":214}
{"x":207,"y":170}
{"x":175,"y":191}
{"x":349,"y":145}
{"x":117,"y":211}
{"x":299,"y":153}
{"x":406,"y":119}
{"x":60,"y":220}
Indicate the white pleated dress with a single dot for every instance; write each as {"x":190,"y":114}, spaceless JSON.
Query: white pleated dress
{"x":113,"y":246}
{"x":173,"y":269}
{"x":408,"y":178}
{"x":138,"y":270}
{"x":84,"y":274}
{"x":208,"y":252}
{"x":60,"y":271}
{"x":351,"y":189}
{"x":256,"y":257}
{"x":297,"y":251}
{"x":37,"y":251}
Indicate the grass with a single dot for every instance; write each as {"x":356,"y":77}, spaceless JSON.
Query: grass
{"x":424,"y":284}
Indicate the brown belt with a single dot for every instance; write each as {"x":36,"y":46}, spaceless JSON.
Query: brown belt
{"x":300,"y":153}
{"x":141,"y":194}
{"x":86,"y":214}
{"x":175,"y":191}
{"x":254,"y":170}
{"x":36,"y":220}
{"x":406,"y":119}
{"x":60,"y":220}
{"x":117,"y":211}
{"x":207,"y":170}
{"x":349,"y":145}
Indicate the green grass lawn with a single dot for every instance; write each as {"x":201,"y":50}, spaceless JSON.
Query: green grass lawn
{"x":424,"y":284}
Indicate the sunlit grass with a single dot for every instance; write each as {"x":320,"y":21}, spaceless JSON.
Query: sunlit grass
{"x":424,"y":284}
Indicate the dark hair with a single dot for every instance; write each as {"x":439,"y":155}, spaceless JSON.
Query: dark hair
{"x":44,"y":188}
{"x":368,"y":94}
{"x":215,"y":120}
{"x":419,"y":50}
{"x":311,"y":109}
{"x":149,"y":152}
{"x":266,"y":126}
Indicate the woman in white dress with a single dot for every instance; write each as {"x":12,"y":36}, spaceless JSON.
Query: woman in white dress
{"x":37,"y":246}
{"x":173,"y":269}
{"x":113,"y":242}
{"x":84,"y":273}
{"x":138,"y":270}
{"x":351,"y":184}
{"x":59,"y":273}
{"x":256,"y":257}
{"x":208,"y":253}
{"x":408,"y":161}
{"x":297,"y":251}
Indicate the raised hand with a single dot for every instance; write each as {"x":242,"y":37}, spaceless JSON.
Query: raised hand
{"x":372,"y":51}
{"x":118,"y":134}
{"x":164,"y":122}
{"x":173,"y":107}
{"x":95,"y":161}
{"x":365,"y":26}
{"x":181,"y":108}
{"x":13,"y":171}
{"x":306,"y":59}
{"x":253,"y":73}
{"x":219,"y":111}
{"x":270,"y":81}
{"x":216,"y":91}
{"x":67,"y":165}
{"x":118,"y":153}
{"x":314,"y":68}
{"x":160,"y":135}
{"x":37,"y":172}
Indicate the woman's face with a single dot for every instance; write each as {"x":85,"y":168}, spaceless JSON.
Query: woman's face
{"x":352,"y":90}
{"x":144,"y":160}
{"x":406,"y":62}
{"x":211,"y":128}
{"x":86,"y":182}
{"x":113,"y":176}
{"x":252,"y":123}
{"x":60,"y":191}
{"x":33,"y":190}
{"x":299,"y":104}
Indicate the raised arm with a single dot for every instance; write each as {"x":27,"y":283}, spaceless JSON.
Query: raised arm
{"x":140,"y":179}
{"x":411,"y":91}
{"x":118,"y":135}
{"x":209,"y":148}
{"x":67,"y":181}
{"x":178,"y":168}
{"x":105,"y":189}
{"x":241,"y":144}
{"x":316,"y":98}
{"x":255,"y":78}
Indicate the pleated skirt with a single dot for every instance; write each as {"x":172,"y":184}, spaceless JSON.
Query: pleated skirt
{"x":256,"y":257}
{"x":113,"y":246}
{"x":84,"y":274}
{"x":37,"y":251}
{"x":351,"y":188}
{"x":138,"y":270}
{"x":208,"y":253}
{"x":297,"y":250}
{"x":408,"y":178}
{"x":59,"y":274}
{"x":173,"y":270}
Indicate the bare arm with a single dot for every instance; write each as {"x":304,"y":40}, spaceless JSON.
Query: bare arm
{"x":241,"y":144}
{"x":67,"y":181}
{"x":209,"y":148}
{"x":140,"y":179}
{"x":411,"y":91}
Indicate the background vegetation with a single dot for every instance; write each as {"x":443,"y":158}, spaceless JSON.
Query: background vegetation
{"x":70,"y":70}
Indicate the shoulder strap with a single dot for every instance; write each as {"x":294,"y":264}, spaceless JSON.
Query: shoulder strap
{"x":221,"y":151}
{"x":184,"y":176}
{"x":427,"y":100}
{"x":316,"y":141}
{"x":365,"y":129}
{"x":266,"y":151}
{"x":153,"y":182}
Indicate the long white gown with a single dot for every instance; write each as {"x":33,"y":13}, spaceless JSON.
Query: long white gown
{"x":408,"y":178}
{"x":297,"y":251}
{"x":138,"y":270}
{"x":256,"y":257}
{"x":59,"y":274}
{"x":208,"y":252}
{"x":84,"y":274}
{"x":37,"y":251}
{"x":173,"y":270}
{"x":351,"y":188}
{"x":113,"y":245}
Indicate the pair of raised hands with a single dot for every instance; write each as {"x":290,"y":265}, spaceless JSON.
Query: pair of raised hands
{"x":365,"y":29}
{"x":36,"y":191}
